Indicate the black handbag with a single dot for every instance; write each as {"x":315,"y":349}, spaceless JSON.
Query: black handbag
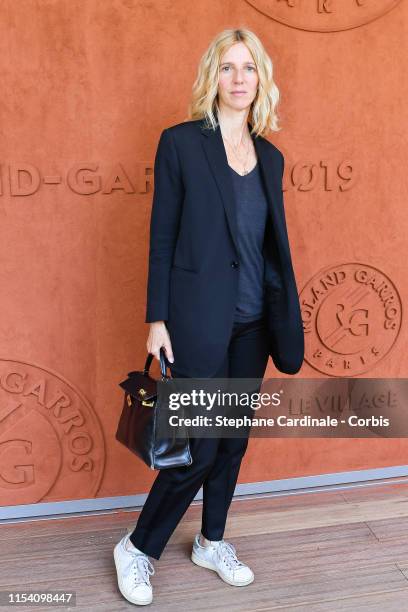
{"x":138,"y":423}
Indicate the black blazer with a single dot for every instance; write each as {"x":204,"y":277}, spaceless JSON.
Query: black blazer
{"x":194,"y":256}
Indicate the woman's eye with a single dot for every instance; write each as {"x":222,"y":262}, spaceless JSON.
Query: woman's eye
{"x":250,"y":68}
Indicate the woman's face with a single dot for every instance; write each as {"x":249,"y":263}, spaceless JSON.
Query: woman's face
{"x":238,"y":78}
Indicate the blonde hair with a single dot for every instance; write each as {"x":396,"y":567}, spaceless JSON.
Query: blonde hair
{"x":204,"y":102}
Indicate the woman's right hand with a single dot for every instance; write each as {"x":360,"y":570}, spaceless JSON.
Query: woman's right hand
{"x":159,"y":337}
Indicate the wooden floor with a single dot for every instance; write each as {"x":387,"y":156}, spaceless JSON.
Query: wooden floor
{"x":346,"y":549}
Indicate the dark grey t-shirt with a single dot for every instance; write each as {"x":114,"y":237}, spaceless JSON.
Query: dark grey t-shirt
{"x":252,"y":214}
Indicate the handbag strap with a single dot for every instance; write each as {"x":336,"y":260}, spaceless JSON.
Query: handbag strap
{"x":163,"y":363}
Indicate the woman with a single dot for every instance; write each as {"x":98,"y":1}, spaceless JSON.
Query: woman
{"x":221,"y":294}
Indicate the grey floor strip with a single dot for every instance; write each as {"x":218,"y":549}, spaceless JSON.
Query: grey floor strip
{"x":287,"y":486}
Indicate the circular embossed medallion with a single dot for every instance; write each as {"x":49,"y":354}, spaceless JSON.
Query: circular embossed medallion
{"x":51,"y":441}
{"x":324,"y":15}
{"x":352,"y":316}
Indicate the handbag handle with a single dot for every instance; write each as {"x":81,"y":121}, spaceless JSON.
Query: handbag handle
{"x":163,"y":364}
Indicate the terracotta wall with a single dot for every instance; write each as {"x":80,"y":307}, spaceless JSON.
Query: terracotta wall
{"x":87,"y":87}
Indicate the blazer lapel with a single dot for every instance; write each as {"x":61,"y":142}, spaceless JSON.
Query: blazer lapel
{"x":214,"y":149}
{"x":273,"y":187}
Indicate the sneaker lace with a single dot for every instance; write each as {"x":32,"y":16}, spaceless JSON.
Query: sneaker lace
{"x":226,"y":552}
{"x":141,"y":567}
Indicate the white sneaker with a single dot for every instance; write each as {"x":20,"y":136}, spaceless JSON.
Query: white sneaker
{"x":220,"y":557}
{"x":133,"y":568}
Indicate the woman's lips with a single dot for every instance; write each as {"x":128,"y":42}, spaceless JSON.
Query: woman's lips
{"x":238,"y":93}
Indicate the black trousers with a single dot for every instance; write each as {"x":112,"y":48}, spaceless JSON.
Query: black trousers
{"x":216,"y":461}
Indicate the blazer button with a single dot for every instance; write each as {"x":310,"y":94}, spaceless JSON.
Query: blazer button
{"x":234,"y":264}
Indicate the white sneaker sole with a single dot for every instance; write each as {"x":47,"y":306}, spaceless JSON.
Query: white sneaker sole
{"x":202,"y":563}
{"x":133,"y":600}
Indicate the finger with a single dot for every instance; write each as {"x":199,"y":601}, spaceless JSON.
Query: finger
{"x":156,"y":353}
{"x":169,"y":353}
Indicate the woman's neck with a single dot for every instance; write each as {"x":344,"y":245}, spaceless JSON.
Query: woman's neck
{"x":234,"y":125}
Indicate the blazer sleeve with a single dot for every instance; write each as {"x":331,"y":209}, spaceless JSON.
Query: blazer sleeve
{"x":164,"y":225}
{"x":282,"y":158}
